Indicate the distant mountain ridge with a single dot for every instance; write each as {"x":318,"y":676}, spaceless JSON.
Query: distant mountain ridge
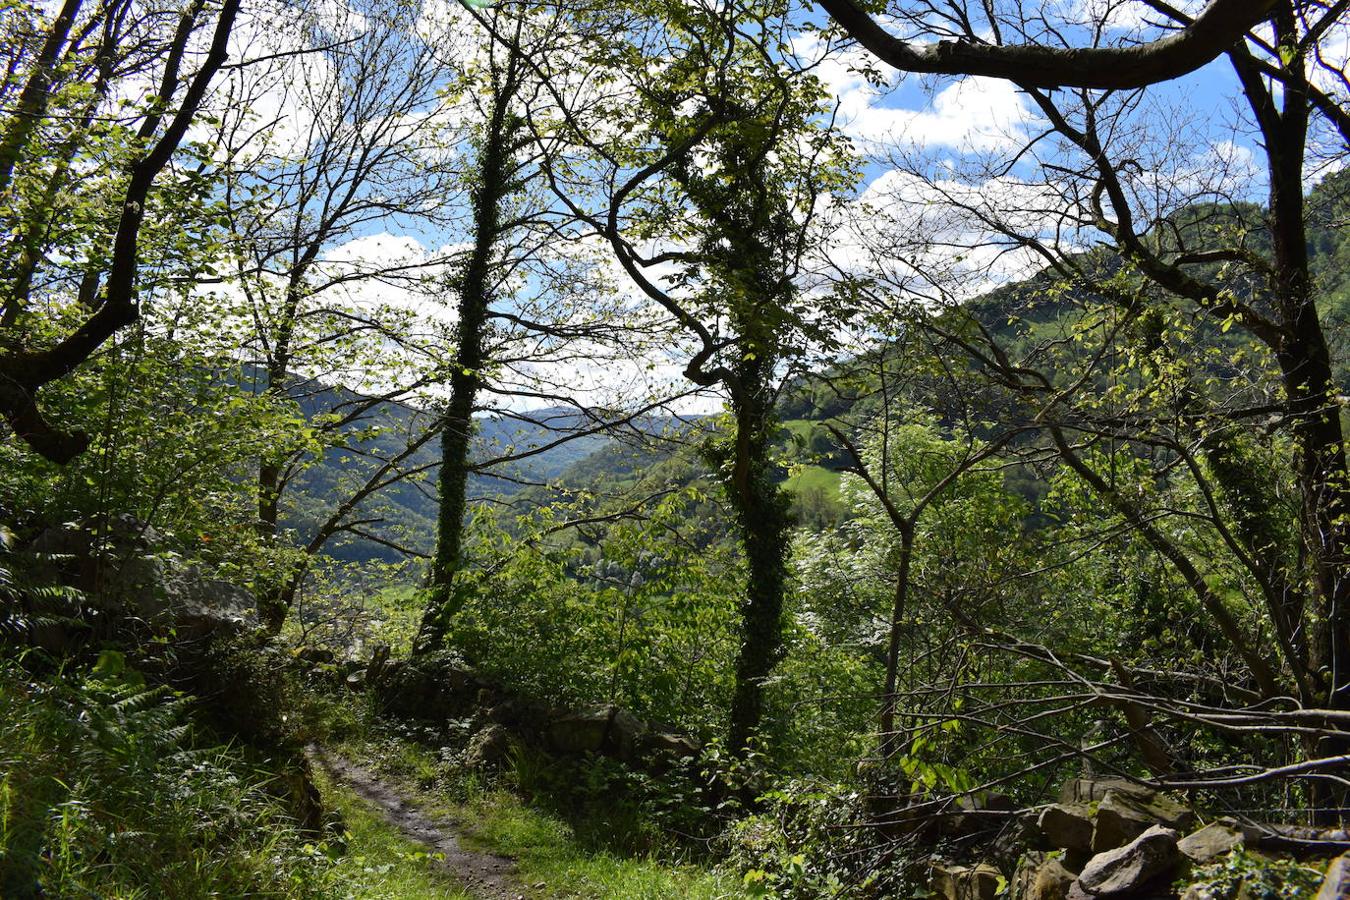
{"x":549,"y":441}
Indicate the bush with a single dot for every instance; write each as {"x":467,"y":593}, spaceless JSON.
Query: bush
{"x":814,"y":839}
{"x":1252,"y":877}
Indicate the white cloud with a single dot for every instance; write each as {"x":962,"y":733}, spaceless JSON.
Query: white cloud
{"x":978,"y":114}
{"x":926,"y":236}
{"x":969,"y":114}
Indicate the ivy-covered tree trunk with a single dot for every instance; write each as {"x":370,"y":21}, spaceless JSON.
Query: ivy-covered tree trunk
{"x":495,"y":183}
{"x":456,"y":435}
{"x":762,"y":518}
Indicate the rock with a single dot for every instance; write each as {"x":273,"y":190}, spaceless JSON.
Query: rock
{"x":985,"y":801}
{"x":1120,"y":818}
{"x":609,"y":730}
{"x":489,"y":748}
{"x":983,"y":810}
{"x":1091,"y":790}
{"x":194,"y":605}
{"x":1210,"y":842}
{"x":118,"y":570}
{"x":1017,"y":835}
{"x":1042,"y":876}
{"x":1052,"y":882}
{"x":522,"y":715}
{"x":669,"y":744}
{"x":964,"y":883}
{"x":1127,"y":870}
{"x":1336,"y":883}
{"x":356,"y":681}
{"x":1298,"y":841}
{"x":665,"y":751}
{"x":1068,"y":827}
{"x":1024,"y":875}
{"x":974,"y":813}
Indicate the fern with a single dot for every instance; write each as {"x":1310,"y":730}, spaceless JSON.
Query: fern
{"x":28,"y":604}
{"x":103,"y":793}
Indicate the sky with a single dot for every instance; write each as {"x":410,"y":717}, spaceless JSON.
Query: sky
{"x":950,"y":131}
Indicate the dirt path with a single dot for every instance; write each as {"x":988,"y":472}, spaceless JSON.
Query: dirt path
{"x":485,"y":875}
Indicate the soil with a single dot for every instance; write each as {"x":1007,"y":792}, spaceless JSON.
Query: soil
{"x":485,"y":875}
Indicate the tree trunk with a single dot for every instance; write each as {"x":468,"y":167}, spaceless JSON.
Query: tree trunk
{"x":456,"y":432}
{"x":1310,"y":394}
{"x":272,"y":602}
{"x":495,"y":184}
{"x":762,"y":517}
{"x":888,"y":742}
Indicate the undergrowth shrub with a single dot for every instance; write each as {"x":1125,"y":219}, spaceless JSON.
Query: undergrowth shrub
{"x":814,"y":839}
{"x":613,"y":806}
{"x":1254,"y":877}
{"x":103,"y":793}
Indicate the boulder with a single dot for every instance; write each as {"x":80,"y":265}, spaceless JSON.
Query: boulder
{"x":314,"y":656}
{"x":1067,"y":826}
{"x":973,"y":813}
{"x":1018,"y":834}
{"x":194,"y":605}
{"x":124,"y":574}
{"x":1092,"y":790}
{"x":1051,"y":882}
{"x":1336,"y":883}
{"x":986,"y":801}
{"x":525,"y":717}
{"x":1298,"y":841}
{"x":1120,"y":818}
{"x":489,"y":748}
{"x":1209,"y":843}
{"x":1025,"y":872}
{"x":608,"y":730}
{"x":661,"y":750}
{"x":1129,"y":870}
{"x":950,"y":882}
{"x":678,"y":745}
{"x":1042,"y":876}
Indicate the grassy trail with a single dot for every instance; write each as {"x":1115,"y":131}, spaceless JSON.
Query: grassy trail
{"x":408,"y":842}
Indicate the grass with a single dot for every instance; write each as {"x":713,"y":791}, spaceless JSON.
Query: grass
{"x":104,"y":793}
{"x":380,"y":862}
{"x":800,"y":428}
{"x":549,"y":854}
{"x":817,"y":478}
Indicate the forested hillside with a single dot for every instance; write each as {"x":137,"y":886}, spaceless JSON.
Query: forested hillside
{"x":692,"y":449}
